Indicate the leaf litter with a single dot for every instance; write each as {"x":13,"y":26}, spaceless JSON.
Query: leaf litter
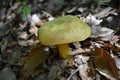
{"x":21,"y":59}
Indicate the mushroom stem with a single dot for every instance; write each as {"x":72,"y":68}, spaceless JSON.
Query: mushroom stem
{"x":64,"y":50}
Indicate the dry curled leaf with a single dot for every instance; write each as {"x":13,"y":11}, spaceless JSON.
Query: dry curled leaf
{"x":105,"y":64}
{"x":36,"y":57}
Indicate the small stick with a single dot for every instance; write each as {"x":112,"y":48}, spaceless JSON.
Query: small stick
{"x":72,"y":74}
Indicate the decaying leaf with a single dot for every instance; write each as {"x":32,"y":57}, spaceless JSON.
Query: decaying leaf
{"x":39,"y":24}
{"x":85,"y":70}
{"x":103,"y":32}
{"x":92,"y":20}
{"x":35,"y":19}
{"x":118,"y":63}
{"x":13,"y":58}
{"x":36,"y":57}
{"x":105,"y":12}
{"x":105,"y":64}
{"x":117,"y":46}
{"x":55,"y":73}
{"x":3,"y":45}
{"x":7,"y":74}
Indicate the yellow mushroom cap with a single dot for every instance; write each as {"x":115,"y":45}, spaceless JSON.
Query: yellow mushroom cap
{"x":66,"y":29}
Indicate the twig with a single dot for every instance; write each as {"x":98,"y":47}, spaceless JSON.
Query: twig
{"x":72,"y":74}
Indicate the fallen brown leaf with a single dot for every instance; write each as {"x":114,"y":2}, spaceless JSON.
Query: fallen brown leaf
{"x":105,"y":63}
{"x":35,"y":57}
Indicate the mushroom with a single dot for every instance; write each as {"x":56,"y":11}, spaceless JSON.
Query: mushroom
{"x":62,"y":31}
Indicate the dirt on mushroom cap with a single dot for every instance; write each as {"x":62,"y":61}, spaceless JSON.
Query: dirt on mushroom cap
{"x":63,"y":30}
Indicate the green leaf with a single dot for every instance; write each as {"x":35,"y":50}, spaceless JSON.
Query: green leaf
{"x":24,"y":10}
{"x":101,"y":2}
{"x":20,"y":9}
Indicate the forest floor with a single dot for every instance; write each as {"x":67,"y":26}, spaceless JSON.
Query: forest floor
{"x":23,"y":57}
